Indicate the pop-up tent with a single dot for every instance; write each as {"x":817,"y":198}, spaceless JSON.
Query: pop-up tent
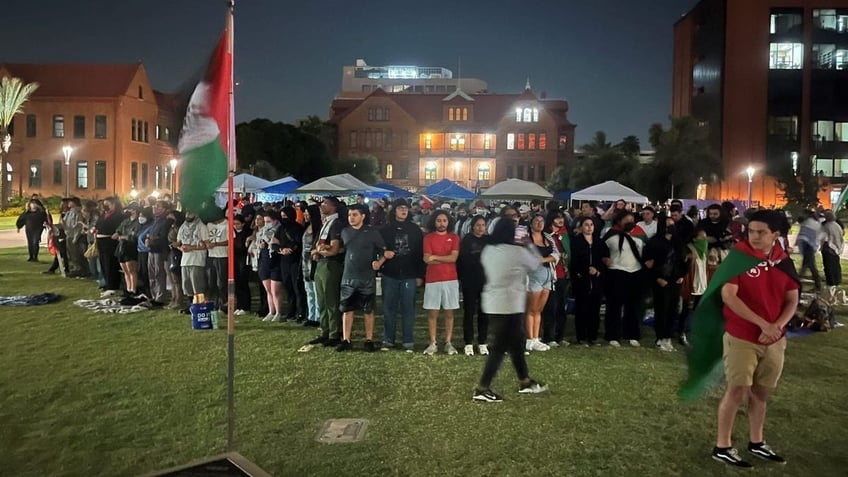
{"x":393,"y":191}
{"x":516,"y":189}
{"x":609,"y":191}
{"x":246,"y":183}
{"x":339,"y":184}
{"x":283,"y":186}
{"x":449,"y":190}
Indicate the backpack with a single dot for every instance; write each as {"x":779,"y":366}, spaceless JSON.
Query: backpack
{"x":818,"y":316}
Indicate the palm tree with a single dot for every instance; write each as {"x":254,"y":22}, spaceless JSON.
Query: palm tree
{"x":13,"y":94}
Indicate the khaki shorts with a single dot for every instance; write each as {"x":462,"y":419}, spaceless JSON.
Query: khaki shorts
{"x":747,"y":363}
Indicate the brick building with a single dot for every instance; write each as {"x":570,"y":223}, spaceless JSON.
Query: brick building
{"x":475,"y":140}
{"x":122,"y":132}
{"x":768,"y":77}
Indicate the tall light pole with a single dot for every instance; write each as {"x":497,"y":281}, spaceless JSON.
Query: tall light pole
{"x":173,"y":163}
{"x":750,"y":172}
{"x":67,"y":150}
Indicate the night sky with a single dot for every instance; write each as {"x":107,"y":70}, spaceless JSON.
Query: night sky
{"x":610,"y":59}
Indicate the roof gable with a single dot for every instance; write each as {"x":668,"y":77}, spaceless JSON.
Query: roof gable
{"x":458,"y":94}
{"x":77,"y":80}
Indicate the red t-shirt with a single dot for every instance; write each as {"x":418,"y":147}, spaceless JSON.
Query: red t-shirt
{"x":763,"y":289}
{"x":440,"y":245}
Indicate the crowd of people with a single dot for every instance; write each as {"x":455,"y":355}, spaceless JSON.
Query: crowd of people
{"x":317,"y":263}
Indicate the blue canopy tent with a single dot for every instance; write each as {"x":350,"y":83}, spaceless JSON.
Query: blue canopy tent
{"x":393,"y":191}
{"x":449,"y":190}
{"x":282,"y":186}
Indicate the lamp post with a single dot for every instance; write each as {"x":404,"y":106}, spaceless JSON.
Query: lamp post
{"x":67,"y":150}
{"x":134,"y":194}
{"x":750,"y":172}
{"x":173,"y":163}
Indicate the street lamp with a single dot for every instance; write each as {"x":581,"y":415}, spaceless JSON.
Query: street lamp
{"x":750,"y":172}
{"x":133,"y":194}
{"x":67,"y":150}
{"x":173,"y":163}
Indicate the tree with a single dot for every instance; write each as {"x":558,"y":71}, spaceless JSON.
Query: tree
{"x":13,"y":94}
{"x":683,"y":158}
{"x":364,"y":168}
{"x":602,"y":162}
{"x":630,"y":147}
{"x":269,"y":147}
{"x":558,"y":181}
{"x":800,"y":188}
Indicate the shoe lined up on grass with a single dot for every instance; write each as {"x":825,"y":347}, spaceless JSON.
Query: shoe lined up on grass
{"x":344,"y":346}
{"x":664,"y":345}
{"x":763,"y":451}
{"x":320,"y":340}
{"x":430,"y":350}
{"x":615,"y":344}
{"x":483,"y":350}
{"x":369,"y":346}
{"x":730,"y":456}
{"x":486,"y":395}
{"x":449,"y":349}
{"x":634,"y":343}
{"x":269,"y":317}
{"x":532,"y":387}
{"x":469,"y":350}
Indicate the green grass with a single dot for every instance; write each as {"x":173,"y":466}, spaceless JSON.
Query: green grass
{"x":8,"y":223}
{"x":92,"y":394}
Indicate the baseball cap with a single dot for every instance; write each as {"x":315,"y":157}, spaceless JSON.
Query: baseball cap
{"x":445,"y":206}
{"x":524,"y":209}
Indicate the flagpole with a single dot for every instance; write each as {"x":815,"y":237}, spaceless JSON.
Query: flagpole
{"x":231,"y":167}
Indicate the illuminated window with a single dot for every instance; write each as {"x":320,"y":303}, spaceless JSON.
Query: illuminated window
{"x":483,"y":172}
{"x":528,"y":115}
{"x":841,"y":132}
{"x":510,"y":141}
{"x":450,"y":114}
{"x":521,"y":141}
{"x":535,"y":115}
{"x":518,"y":115}
{"x":831,"y":20}
{"x":430,"y":172}
{"x":388,"y":171}
{"x":428,"y":142}
{"x":487,"y":142}
{"x":563,"y":141}
{"x":35,"y":174}
{"x":58,"y":125}
{"x":543,"y":141}
{"x":457,"y":143}
{"x":531,"y":141}
{"x":786,"y":56}
{"x":82,"y":174}
{"x":465,"y":114}
{"x":157,"y":177}
{"x":781,"y":23}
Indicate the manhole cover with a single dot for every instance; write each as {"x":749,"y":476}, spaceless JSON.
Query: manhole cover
{"x":341,"y":431}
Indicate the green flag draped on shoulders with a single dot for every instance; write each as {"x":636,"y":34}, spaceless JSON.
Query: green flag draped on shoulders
{"x":704,"y":356}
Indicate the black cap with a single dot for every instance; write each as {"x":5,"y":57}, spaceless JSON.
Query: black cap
{"x":400,"y":203}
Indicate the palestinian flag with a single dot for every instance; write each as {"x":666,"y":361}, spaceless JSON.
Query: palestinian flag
{"x":639,"y":233}
{"x":704,"y":356}
{"x":204,"y":141}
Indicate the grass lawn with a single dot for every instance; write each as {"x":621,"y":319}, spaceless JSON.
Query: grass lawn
{"x":92,"y":394}
{"x":8,"y":223}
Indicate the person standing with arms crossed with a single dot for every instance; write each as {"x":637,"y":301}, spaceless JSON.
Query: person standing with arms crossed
{"x":441,"y":289}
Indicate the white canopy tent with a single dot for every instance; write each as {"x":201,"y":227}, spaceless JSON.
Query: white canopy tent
{"x":338,"y":184}
{"x":516,"y":189}
{"x":609,"y":191}
{"x":246,"y":183}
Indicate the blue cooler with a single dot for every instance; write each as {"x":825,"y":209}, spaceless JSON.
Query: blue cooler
{"x":201,"y":316}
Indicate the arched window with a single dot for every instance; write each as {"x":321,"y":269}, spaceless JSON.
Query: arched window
{"x":388,"y":171}
{"x":450,"y":114}
{"x":535,"y":115}
{"x":518,"y":115}
{"x":465,"y":114}
{"x":527,"y":115}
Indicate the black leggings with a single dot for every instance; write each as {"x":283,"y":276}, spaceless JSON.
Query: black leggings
{"x":509,"y":336}
{"x":471,"y":305}
{"x":553,"y":315}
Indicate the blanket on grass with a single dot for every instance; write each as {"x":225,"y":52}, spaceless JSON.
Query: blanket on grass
{"x":29,"y":300}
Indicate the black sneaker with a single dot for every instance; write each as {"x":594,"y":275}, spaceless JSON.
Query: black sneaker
{"x":486,"y":395}
{"x":730,"y":456}
{"x":532,"y":387}
{"x":319,"y":340}
{"x":344,"y":346}
{"x":763,"y":451}
{"x":369,"y":346}
{"x":311,"y":324}
{"x":49,"y":271}
{"x":332,"y":342}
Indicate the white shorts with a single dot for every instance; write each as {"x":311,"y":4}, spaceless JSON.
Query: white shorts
{"x":441,"y":295}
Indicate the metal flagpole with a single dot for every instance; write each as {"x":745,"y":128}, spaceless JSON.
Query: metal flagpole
{"x":231,"y":286}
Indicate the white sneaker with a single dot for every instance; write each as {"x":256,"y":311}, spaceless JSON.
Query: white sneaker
{"x":615,"y":344}
{"x":634,"y":343}
{"x":564,"y":344}
{"x":239,"y":312}
{"x":469,"y":350}
{"x":268,"y":317}
{"x":430,"y":350}
{"x":539,"y":346}
{"x":483,"y":349}
{"x":528,"y":345}
{"x":449,"y":349}
{"x":668,"y":345}
{"x":276,"y":318}
{"x":552,"y":344}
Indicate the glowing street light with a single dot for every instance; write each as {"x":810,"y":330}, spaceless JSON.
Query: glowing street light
{"x":173,"y":163}
{"x":750,"y":172}
{"x":67,"y":150}
{"x":134,"y":193}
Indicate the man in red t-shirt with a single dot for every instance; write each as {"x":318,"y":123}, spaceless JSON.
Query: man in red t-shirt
{"x":441,"y":288}
{"x":757,"y":306}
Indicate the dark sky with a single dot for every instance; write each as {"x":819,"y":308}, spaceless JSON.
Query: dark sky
{"x":610,"y":59}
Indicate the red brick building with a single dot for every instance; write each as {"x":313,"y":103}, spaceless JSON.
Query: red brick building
{"x":475,"y":140}
{"x":768,"y":78}
{"x":122,"y":132}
